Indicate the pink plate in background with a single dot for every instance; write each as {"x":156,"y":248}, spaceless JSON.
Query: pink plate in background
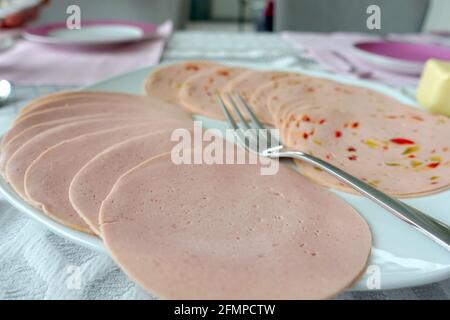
{"x":398,"y":56}
{"x":102,"y":32}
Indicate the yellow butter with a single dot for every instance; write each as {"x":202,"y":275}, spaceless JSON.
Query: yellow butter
{"x":434,"y":88}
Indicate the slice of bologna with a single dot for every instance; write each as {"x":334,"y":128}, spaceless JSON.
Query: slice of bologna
{"x":398,"y":149}
{"x":248,"y":82}
{"x":47,"y":179}
{"x":198,"y":93}
{"x":25,"y":155}
{"x":323,"y":93}
{"x":66,"y":99}
{"x":18,"y":141}
{"x":290,"y":100}
{"x":236,"y":235}
{"x":94,"y":181}
{"x":304,"y":93}
{"x":165,"y":82}
{"x":124,"y":104}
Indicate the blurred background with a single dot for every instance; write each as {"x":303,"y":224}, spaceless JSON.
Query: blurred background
{"x":398,"y":16}
{"x":276,"y":34}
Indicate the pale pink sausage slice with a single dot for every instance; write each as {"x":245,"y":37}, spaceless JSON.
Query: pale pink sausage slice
{"x":326,"y":93}
{"x":300,"y":89}
{"x":251,"y":80}
{"x":165,"y":82}
{"x":236,"y":235}
{"x":94,"y":181}
{"x":198,"y":93}
{"x":398,"y":149}
{"x":18,"y":141}
{"x":289,"y":99}
{"x":47,"y":179}
{"x":124,"y":104}
{"x":25,"y":155}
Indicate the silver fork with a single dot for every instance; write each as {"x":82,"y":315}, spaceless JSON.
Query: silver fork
{"x":267,"y":145}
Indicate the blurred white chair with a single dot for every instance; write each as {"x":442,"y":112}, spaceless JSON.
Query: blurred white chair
{"x":155,"y":11}
{"x":399,"y":16}
{"x":438,"y":17}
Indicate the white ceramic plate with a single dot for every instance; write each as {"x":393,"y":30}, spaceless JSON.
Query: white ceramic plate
{"x":401,"y":256}
{"x":8,"y":7}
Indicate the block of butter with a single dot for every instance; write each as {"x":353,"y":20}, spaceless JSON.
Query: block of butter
{"x":434,"y":88}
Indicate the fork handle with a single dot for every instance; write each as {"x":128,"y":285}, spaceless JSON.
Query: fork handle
{"x":437,"y":230}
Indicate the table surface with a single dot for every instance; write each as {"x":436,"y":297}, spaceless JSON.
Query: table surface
{"x":37,"y":264}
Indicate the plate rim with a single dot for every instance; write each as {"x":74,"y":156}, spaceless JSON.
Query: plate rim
{"x":39,"y":33}
{"x":385,"y":62}
{"x":81,"y":238}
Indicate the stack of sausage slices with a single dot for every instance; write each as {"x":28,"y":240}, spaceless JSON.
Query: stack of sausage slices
{"x":402,"y":150}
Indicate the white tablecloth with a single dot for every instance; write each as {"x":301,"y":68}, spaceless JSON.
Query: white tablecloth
{"x":36,"y":264}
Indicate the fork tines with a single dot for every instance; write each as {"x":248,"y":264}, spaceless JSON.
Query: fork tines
{"x":256,"y":133}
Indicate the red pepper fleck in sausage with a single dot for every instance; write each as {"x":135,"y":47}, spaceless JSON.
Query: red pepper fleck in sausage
{"x":402,"y":141}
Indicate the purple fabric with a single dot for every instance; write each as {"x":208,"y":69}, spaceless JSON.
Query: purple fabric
{"x":29,"y":63}
{"x":324,"y":47}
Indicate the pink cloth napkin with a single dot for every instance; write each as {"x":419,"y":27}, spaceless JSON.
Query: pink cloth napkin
{"x":30,"y":63}
{"x":324,"y":47}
